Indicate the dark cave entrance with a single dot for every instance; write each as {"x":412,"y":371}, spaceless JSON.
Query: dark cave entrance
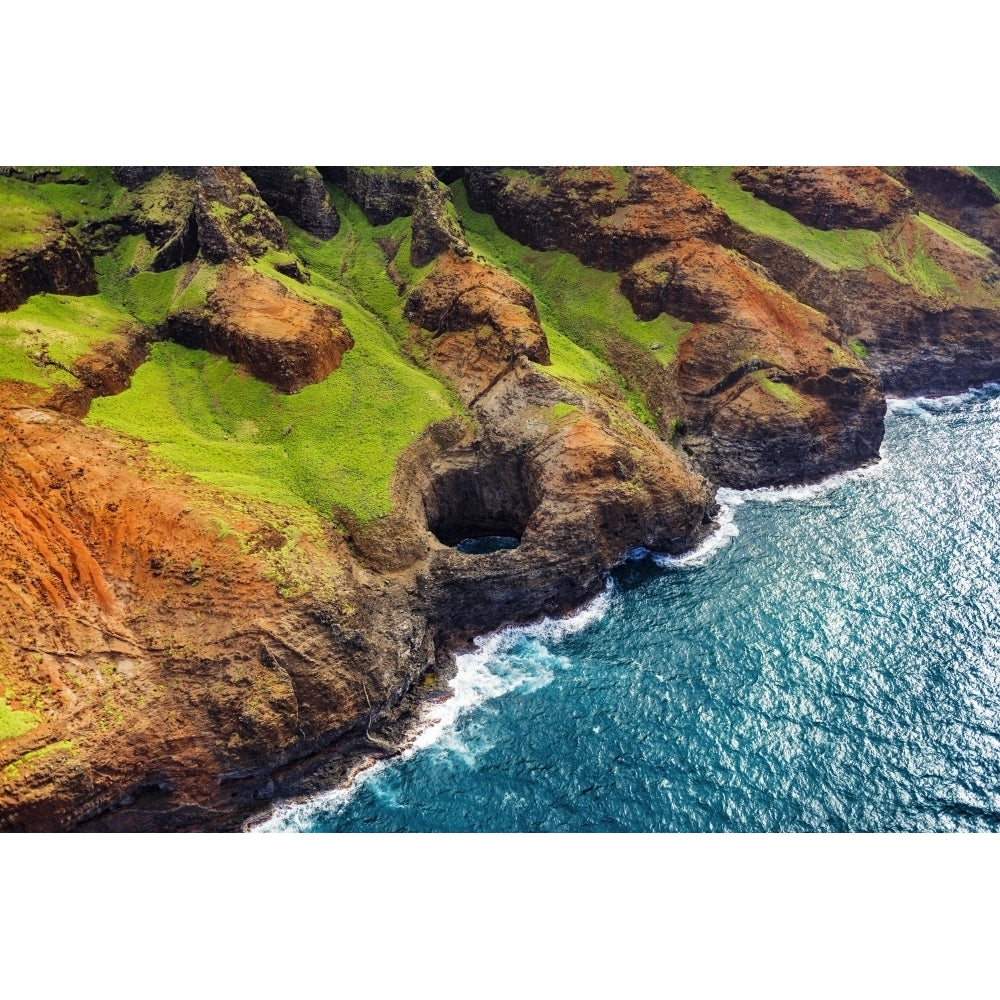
{"x":480,"y":507}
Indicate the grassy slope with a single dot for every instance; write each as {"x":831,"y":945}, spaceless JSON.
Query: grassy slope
{"x":906,"y":261}
{"x":579,"y":305}
{"x":334,"y":444}
{"x":67,"y":327}
{"x":989,"y":174}
{"x":22,"y":219}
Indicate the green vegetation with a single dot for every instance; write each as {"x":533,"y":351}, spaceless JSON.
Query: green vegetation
{"x":13,"y":769}
{"x":581,"y":302}
{"x":782,"y":392}
{"x":151,"y":296}
{"x":909,"y":262}
{"x":961,"y":240}
{"x":905,"y":259}
{"x":356,"y":260}
{"x":991,"y":175}
{"x":23,"y":221}
{"x":859,"y":349}
{"x":96,"y":195}
{"x":60,"y":327}
{"x":332,"y":444}
{"x":14,"y":723}
{"x":561,"y":410}
{"x":833,"y":249}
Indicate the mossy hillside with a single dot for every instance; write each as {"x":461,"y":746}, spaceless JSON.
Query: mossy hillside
{"x":364,"y":260}
{"x":151,"y":296}
{"x":14,"y":723}
{"x":23,"y":220}
{"x":898,"y":251}
{"x":582,"y":302}
{"x":95,"y":195}
{"x":959,"y":239}
{"x":834,"y":249}
{"x":782,"y":392}
{"x":61,"y":327}
{"x":334,"y":444}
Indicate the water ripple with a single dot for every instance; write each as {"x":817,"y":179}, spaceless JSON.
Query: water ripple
{"x":828,"y":661}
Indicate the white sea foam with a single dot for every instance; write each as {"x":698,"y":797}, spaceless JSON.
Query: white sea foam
{"x":917,"y":405}
{"x":485,"y":673}
{"x":723,"y":534}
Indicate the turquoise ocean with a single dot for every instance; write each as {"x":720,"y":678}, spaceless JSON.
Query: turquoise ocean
{"x":828,"y":661}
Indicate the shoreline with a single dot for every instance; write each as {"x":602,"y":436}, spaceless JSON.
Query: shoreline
{"x":400,"y":735}
{"x":414,"y":721}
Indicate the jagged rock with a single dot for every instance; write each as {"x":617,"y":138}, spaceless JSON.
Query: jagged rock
{"x":605,"y":221}
{"x":830,"y":197}
{"x":384,"y":193}
{"x":480,"y":317}
{"x":233,"y":221}
{"x":297,"y":192}
{"x":436,"y":226}
{"x":957,"y":197}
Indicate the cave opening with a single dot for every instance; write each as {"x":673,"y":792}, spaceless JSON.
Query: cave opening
{"x":480,"y":507}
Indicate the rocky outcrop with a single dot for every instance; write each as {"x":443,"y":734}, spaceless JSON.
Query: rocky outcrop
{"x":918,"y":338}
{"x":830,"y":197}
{"x":256,"y":322}
{"x":957,"y":197}
{"x":436,"y":227}
{"x":297,"y":192}
{"x":481,"y":321}
{"x":170,"y":687}
{"x":384,"y":193}
{"x":233,"y":221}
{"x":54,"y":263}
{"x":764,"y":389}
{"x":607,"y":221}
{"x":579,"y":482}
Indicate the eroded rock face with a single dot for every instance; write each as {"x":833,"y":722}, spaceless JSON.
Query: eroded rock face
{"x":607,"y":221}
{"x":384,"y":193}
{"x":297,"y":192}
{"x":435,"y":225}
{"x":256,"y":322}
{"x":830,"y":197}
{"x":765,"y":387}
{"x":957,"y":197}
{"x":580,"y":483}
{"x":180,"y":691}
{"x":937,"y":339}
{"x":481,"y":320}
{"x":56,"y":263}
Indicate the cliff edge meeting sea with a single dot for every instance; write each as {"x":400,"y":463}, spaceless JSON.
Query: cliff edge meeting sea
{"x":467,"y":498}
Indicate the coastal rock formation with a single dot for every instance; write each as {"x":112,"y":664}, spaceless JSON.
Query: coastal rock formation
{"x":607,"y":219}
{"x":186,"y":643}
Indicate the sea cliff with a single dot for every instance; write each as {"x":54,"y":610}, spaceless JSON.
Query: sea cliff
{"x":247,"y":413}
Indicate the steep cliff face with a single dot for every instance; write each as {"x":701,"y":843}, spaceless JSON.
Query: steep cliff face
{"x":766,"y":389}
{"x":257,"y":409}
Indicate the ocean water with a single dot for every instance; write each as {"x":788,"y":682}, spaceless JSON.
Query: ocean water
{"x":829,"y":661}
